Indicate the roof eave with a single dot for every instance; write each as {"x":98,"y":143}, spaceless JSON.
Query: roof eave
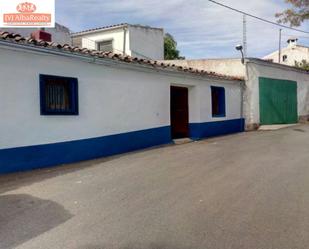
{"x":10,"y":39}
{"x":92,"y":31}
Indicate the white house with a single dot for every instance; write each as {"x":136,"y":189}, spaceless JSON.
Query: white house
{"x":134,"y":40}
{"x":290,"y":54}
{"x":273,"y":93}
{"x":62,"y":104}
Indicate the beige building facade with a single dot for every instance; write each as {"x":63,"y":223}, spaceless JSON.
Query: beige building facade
{"x":291,"y":54}
{"x":133,"y":40}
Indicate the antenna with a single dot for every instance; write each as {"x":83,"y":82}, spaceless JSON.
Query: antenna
{"x":244,"y":38}
{"x":279,"y":58}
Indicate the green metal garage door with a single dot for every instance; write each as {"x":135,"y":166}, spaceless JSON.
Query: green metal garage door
{"x":278,"y":101}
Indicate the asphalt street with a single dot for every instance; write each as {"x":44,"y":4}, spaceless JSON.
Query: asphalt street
{"x":244,"y":191}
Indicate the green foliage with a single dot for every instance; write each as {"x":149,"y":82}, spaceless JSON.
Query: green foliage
{"x":303,"y":64}
{"x":170,"y":48}
{"x":295,"y":15}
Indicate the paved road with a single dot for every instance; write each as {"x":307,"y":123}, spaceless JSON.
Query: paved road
{"x":247,"y":191}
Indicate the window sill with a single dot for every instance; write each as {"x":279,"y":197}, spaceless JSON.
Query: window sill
{"x":59,"y":114}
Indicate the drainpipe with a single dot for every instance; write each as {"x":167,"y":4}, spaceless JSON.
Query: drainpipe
{"x":243,"y":91}
{"x":124,"y":39}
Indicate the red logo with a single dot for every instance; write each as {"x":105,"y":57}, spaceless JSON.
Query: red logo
{"x":26,"y":15}
{"x":26,"y":7}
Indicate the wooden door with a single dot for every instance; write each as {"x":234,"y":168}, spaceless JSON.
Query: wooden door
{"x":179,"y":112}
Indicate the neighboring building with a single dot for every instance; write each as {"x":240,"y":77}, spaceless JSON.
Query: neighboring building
{"x":232,"y":66}
{"x":273,"y":93}
{"x":62,"y":104}
{"x":59,"y":34}
{"x":290,"y":54}
{"x":134,"y":40}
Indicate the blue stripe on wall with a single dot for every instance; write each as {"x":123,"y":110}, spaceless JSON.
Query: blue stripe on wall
{"x":211,"y":129}
{"x":39,"y":156}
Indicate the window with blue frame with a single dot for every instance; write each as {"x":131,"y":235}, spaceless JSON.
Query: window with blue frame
{"x":218,"y":101}
{"x":59,"y":95}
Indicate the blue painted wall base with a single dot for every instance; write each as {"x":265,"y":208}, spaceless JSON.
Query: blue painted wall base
{"x":211,"y":129}
{"x":40,"y":156}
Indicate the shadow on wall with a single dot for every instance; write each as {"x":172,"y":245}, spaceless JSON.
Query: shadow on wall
{"x":23,"y":217}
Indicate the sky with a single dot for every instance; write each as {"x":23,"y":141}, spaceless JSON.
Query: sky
{"x":201,"y":28}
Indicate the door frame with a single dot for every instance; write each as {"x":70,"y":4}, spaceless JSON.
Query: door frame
{"x":186,"y":133}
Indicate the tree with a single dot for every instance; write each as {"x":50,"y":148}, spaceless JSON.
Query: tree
{"x":303,"y":64}
{"x":170,"y":48}
{"x":295,"y":15}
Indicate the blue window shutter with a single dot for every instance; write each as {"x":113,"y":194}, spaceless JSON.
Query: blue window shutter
{"x":222,"y":101}
{"x":42,"y":94}
{"x":218,"y":101}
{"x":74,"y":95}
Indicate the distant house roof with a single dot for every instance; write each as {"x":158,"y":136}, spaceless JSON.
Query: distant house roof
{"x":301,"y":46}
{"x":11,"y":38}
{"x":271,"y":63}
{"x":115,"y":26}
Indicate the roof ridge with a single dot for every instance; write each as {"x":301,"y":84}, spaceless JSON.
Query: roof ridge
{"x":113,"y":26}
{"x":16,"y":38}
{"x":99,"y":28}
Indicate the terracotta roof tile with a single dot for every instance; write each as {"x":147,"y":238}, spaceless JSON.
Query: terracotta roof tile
{"x":16,"y":38}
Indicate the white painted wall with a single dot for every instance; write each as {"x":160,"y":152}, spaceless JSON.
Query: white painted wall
{"x":116,"y":35}
{"x":258,"y":68}
{"x":112,"y":99}
{"x":142,"y":42}
{"x":147,"y":43}
{"x":232,"y":67}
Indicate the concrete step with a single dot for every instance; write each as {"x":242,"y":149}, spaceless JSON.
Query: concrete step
{"x":275,"y":127}
{"x":182,"y":141}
